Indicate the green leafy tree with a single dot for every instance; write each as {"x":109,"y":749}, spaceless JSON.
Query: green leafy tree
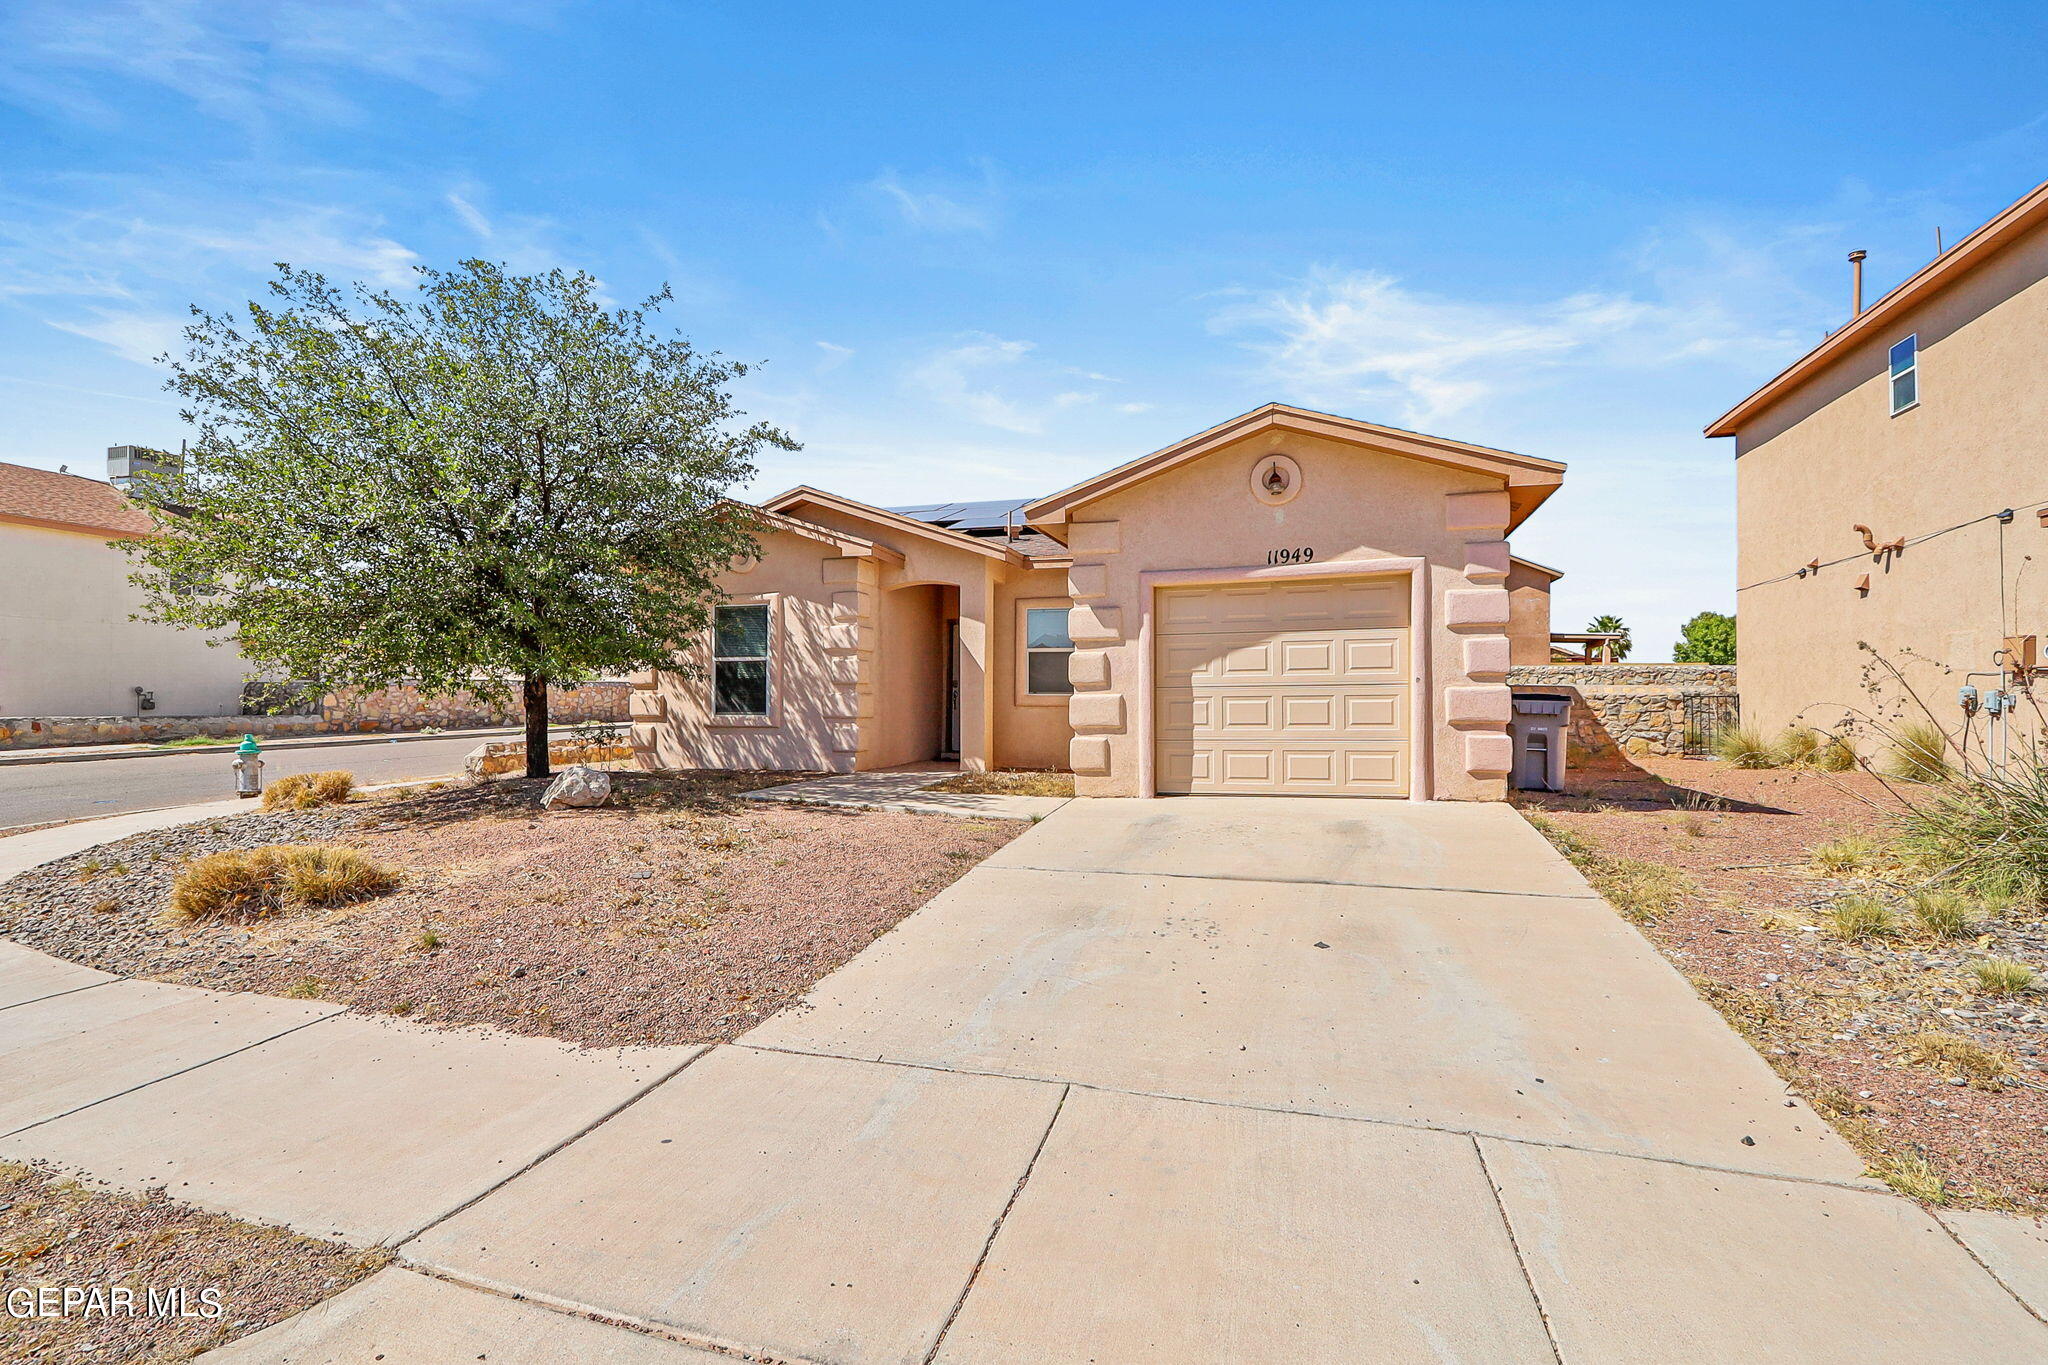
{"x":1611,"y":625}
{"x":494,"y":478}
{"x":1708,"y":638}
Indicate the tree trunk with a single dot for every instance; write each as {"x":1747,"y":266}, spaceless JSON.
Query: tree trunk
{"x":536,"y":695}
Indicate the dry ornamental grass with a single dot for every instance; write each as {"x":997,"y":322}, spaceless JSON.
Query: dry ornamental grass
{"x":256,"y":883}
{"x":303,"y":791}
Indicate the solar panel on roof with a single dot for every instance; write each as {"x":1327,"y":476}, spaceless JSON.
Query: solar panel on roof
{"x":967,"y":516}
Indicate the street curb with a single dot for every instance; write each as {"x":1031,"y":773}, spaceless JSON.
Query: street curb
{"x":86,"y":755}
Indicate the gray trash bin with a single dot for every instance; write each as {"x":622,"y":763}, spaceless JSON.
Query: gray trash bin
{"x":1538,"y":730}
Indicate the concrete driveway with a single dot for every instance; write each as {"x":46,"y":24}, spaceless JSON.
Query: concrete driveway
{"x":1208,"y":1079}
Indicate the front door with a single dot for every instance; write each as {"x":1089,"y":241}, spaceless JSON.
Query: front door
{"x":950,"y":746}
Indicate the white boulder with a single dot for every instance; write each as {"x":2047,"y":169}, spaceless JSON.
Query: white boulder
{"x":578,"y":786}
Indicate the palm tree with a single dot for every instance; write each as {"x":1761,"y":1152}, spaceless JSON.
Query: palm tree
{"x":1611,"y":625}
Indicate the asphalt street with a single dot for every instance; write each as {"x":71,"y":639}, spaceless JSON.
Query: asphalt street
{"x":32,"y":793}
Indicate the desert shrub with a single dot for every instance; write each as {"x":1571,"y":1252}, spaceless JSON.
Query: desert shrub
{"x":1859,"y":917}
{"x":1845,"y":856}
{"x":1987,"y":833}
{"x":1797,"y":745}
{"x":1913,"y":1175}
{"x":1919,"y":753}
{"x":1959,"y":1058}
{"x":2002,"y":976}
{"x":1943,"y":913}
{"x":1835,"y":755}
{"x":303,"y":791}
{"x":1744,"y":746}
{"x":255,"y":883}
{"x":1641,"y":891}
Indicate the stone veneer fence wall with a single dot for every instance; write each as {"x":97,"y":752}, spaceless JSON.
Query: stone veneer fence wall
{"x":348,"y":711}
{"x":1634,"y":709}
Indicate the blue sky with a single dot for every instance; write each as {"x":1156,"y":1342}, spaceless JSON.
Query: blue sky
{"x":986,"y":250}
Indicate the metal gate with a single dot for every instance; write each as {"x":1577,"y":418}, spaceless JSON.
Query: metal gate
{"x":1707,"y":714}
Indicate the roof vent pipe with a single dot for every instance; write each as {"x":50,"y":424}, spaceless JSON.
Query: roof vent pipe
{"x":1856,"y":283}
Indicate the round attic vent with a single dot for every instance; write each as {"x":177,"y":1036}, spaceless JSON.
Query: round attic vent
{"x":1276,"y":479}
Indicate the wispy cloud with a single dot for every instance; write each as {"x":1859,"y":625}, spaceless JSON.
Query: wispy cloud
{"x":524,"y":242}
{"x":833,"y":355}
{"x":246,"y":61}
{"x":942,"y":204}
{"x":125,"y":276}
{"x":1365,"y":338}
{"x":958,"y":377}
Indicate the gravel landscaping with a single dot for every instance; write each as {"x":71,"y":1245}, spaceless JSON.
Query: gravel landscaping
{"x":55,"y":1233}
{"x":1749,"y":919}
{"x":676,"y":915}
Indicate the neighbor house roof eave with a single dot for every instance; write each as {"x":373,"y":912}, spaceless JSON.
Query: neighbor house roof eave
{"x":2018,"y":218}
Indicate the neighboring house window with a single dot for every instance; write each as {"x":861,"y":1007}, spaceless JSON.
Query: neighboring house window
{"x":1905,"y":375}
{"x":1046,"y":651}
{"x":739,"y":660}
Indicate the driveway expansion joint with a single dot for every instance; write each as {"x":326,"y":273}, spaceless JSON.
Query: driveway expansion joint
{"x":1852,"y":1186}
{"x":1985,"y":1265}
{"x":643,"y":1092}
{"x":170,"y":1075}
{"x":585,"y":1313}
{"x":54,"y":995}
{"x":1301,"y":881}
{"x":995,"y":1229}
{"x":1515,"y":1245}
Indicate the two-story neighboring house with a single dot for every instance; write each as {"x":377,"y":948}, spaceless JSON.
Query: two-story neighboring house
{"x":67,"y":645}
{"x":1892,"y":492}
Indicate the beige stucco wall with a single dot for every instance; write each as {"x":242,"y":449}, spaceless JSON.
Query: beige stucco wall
{"x":1831,"y":456}
{"x":67,"y":647}
{"x":1030,"y":732}
{"x":910,"y":675}
{"x":1355,"y":504}
{"x":1528,"y":616}
{"x":824,"y":634}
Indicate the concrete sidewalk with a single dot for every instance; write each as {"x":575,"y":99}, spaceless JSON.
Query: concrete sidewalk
{"x":92,"y":753}
{"x":1177,"y":1081}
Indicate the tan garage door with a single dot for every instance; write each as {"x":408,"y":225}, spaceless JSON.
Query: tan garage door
{"x":1298,"y":688}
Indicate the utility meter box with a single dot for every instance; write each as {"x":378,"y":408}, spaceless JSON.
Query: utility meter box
{"x":1538,"y":730}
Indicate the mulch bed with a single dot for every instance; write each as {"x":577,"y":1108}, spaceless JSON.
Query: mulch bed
{"x":678,"y":915}
{"x":55,"y":1234}
{"x":1829,"y":1015}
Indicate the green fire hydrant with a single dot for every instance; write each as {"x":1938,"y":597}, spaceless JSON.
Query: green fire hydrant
{"x":248,"y":768}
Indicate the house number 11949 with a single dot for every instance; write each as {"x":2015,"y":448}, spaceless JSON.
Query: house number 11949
{"x":1299,"y":556}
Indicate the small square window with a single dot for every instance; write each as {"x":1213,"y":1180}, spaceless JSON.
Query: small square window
{"x":739,"y":660}
{"x":1047,"y":649}
{"x":1905,"y":361}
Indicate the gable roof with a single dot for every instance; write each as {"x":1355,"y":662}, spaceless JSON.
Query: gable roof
{"x":2027,"y":213}
{"x":882,"y":516}
{"x":69,"y":502}
{"x":1529,"y":480}
{"x":853,"y":547}
{"x":1552,"y":574}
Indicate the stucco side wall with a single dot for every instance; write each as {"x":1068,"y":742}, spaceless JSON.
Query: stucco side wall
{"x":1831,"y":456}
{"x":70,"y":649}
{"x":1031,"y":732}
{"x":821,"y":680}
{"x":1355,"y":504}
{"x":910,"y":676}
{"x":1528,"y":616}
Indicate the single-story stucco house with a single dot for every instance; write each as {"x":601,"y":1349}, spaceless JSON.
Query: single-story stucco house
{"x":1286,"y":603}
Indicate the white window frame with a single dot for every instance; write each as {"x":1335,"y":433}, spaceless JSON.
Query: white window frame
{"x":1025,"y":606}
{"x":756,"y":719}
{"x":1892,"y":377}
